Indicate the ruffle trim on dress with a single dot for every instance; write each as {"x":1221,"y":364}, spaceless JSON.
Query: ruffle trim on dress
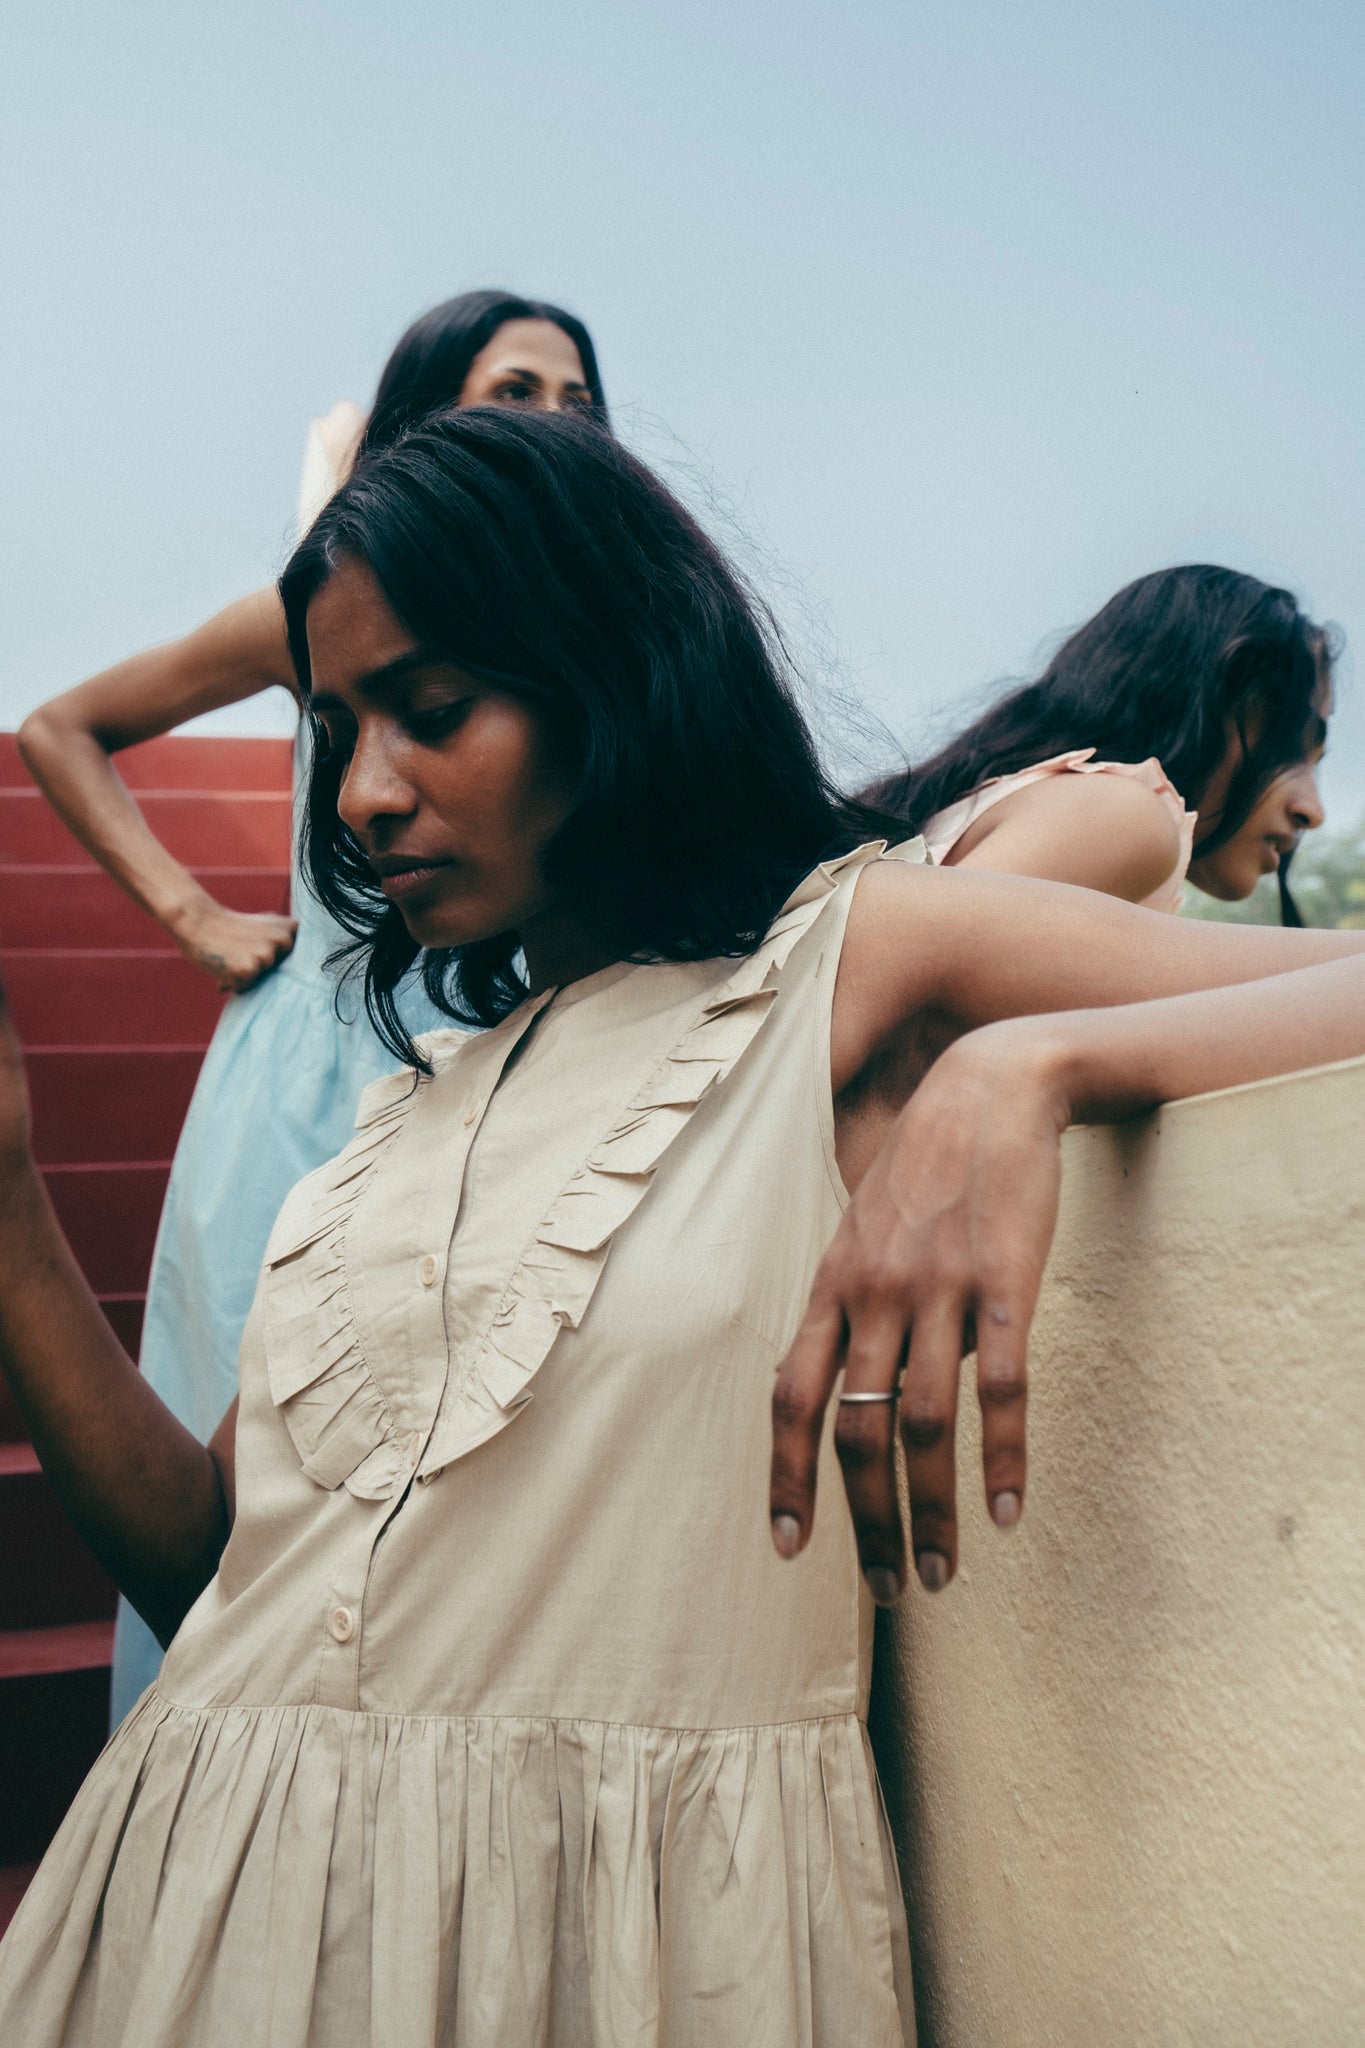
{"x":299,"y":1874}
{"x":319,"y":1377}
{"x":555,"y":1278}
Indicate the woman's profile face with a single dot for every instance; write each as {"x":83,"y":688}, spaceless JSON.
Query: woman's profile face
{"x":1287,"y":808}
{"x":528,"y":362}
{"x":450,"y":787}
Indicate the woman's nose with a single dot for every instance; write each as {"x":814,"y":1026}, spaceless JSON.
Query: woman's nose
{"x":1304,"y":802}
{"x":373,"y":788}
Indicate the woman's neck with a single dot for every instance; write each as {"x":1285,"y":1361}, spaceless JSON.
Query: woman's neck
{"x":559,"y":950}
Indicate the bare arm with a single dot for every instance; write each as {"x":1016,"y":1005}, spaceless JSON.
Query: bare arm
{"x":67,"y":743}
{"x":965,"y":948}
{"x":154,"y":1505}
{"x":943,"y":1246}
{"x":1103,"y":832}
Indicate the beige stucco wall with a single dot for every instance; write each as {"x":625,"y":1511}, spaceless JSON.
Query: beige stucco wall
{"x":1125,"y":1751}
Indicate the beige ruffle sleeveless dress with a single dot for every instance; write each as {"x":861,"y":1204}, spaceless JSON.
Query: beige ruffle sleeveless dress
{"x":501,"y":1724}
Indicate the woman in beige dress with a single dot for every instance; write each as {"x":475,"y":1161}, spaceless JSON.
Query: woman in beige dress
{"x":502,"y":1707}
{"x":1194,"y":685}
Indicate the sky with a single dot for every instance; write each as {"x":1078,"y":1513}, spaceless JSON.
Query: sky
{"x":951,"y":318}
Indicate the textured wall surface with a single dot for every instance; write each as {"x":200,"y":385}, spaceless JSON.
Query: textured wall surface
{"x":1125,"y":1751}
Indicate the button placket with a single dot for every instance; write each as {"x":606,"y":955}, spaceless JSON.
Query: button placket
{"x":342,"y":1625}
{"x":450,"y":1145}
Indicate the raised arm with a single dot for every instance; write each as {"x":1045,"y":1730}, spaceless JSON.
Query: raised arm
{"x":154,"y":1505}
{"x":943,"y":1246}
{"x":67,"y":743}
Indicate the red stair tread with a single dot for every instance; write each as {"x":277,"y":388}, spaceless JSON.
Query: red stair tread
{"x":56,"y":907}
{"x":110,"y":1214}
{"x":182,"y":761}
{"x":75,"y":1646}
{"x":109,"y":1102}
{"x":203,"y":828}
{"x":97,"y":998}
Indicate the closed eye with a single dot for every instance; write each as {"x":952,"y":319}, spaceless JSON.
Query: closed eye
{"x":430,"y":727}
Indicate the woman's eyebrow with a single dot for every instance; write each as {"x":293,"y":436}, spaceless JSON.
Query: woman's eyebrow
{"x":390,"y":675}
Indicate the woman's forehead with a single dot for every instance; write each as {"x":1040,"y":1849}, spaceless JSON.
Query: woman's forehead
{"x":353,"y":631}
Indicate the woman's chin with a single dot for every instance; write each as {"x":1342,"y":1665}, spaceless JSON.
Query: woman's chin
{"x":439,"y":927}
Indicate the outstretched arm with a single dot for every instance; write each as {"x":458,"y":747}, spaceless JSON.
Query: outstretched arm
{"x":154,"y":1505}
{"x":67,"y":743}
{"x":943,"y":1245}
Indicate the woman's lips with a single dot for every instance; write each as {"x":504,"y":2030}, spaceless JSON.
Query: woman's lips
{"x":404,"y":882}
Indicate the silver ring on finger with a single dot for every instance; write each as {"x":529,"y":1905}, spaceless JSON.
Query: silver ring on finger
{"x":892,"y":1394}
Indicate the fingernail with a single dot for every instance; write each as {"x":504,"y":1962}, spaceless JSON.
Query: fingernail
{"x":786,"y":1535}
{"x":1006,"y":1509}
{"x":883,"y":1585}
{"x":932,"y":1567}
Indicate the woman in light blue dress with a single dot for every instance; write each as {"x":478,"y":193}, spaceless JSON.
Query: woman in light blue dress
{"x":278,"y":1090}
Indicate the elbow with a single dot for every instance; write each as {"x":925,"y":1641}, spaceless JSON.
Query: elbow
{"x":34,"y":740}
{"x":47,"y":738}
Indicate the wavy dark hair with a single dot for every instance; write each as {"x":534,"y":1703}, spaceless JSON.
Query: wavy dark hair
{"x":532,"y":550}
{"x":1172,"y":665}
{"x":428,"y":367}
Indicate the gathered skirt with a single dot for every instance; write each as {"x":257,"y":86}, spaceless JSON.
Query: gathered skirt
{"x":307,"y":1877}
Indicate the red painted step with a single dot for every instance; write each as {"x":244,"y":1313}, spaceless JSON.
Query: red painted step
{"x":93,"y":997}
{"x":240,"y":829}
{"x":50,"y":1578}
{"x":72,"y":1646}
{"x":110,"y":1214}
{"x":83,"y":907}
{"x":182,"y":761}
{"x":109,"y":1102}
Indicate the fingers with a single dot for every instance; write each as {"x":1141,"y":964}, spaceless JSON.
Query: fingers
{"x":928,"y":1422}
{"x":1002,"y":1389}
{"x":865,"y":1439}
{"x":800,"y":1396}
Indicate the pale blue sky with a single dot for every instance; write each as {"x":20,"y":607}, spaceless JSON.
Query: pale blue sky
{"x":969,"y":312}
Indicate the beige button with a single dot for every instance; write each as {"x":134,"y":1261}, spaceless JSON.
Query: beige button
{"x":341,"y":1622}
{"x":471,"y":1113}
{"x":428,"y":1266}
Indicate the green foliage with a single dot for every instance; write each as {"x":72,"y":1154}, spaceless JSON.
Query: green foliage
{"x":1328,"y":880}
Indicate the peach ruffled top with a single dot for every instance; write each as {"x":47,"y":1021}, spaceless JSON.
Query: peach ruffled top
{"x":943,"y":831}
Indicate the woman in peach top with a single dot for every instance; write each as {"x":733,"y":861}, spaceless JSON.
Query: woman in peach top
{"x":1176,"y":733}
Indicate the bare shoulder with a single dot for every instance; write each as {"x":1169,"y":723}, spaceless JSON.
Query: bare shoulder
{"x":1101,"y":831}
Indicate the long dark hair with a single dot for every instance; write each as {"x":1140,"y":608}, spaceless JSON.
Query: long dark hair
{"x":534,"y":551}
{"x":1172,"y":665}
{"x":428,"y":368}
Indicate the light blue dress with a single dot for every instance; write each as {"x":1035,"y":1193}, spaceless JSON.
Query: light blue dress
{"x":276,"y":1096}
